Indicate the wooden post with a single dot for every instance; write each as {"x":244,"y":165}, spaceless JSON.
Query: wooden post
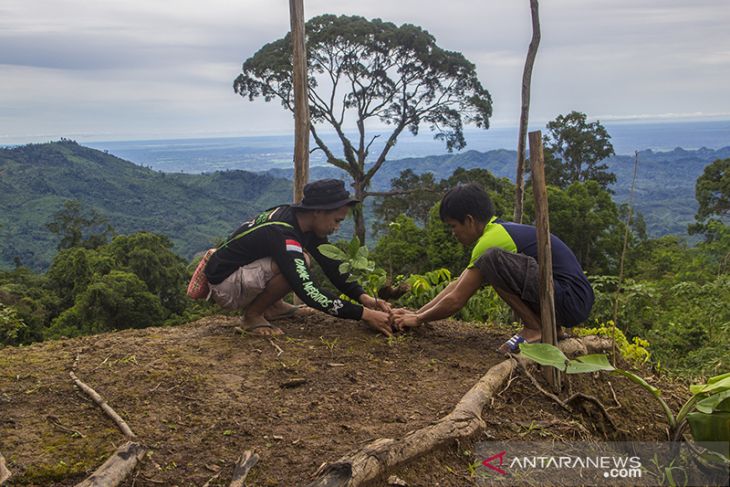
{"x":525,"y":111}
{"x":544,"y":253}
{"x":301,"y":99}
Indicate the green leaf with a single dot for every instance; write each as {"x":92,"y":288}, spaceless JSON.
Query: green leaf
{"x":589,"y":363}
{"x":544,"y":354}
{"x":354,"y":246}
{"x":709,"y":427}
{"x":332,"y":252}
{"x":360,"y":263}
{"x":344,"y":268}
{"x":639,"y":380}
{"x":715,"y":384}
{"x":362,"y":252}
{"x":716,"y":402}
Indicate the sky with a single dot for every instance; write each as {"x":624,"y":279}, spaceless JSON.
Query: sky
{"x":152,"y":69}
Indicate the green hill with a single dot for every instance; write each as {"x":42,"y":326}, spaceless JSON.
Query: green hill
{"x":192,"y":210}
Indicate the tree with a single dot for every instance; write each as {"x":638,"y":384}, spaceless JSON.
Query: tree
{"x":411,"y":195}
{"x":712,"y":191}
{"x":114,"y":301}
{"x":79,"y":227}
{"x":574,"y":150}
{"x":400,"y":250}
{"x":368,"y":70}
{"x":150,"y":257}
{"x":584,"y":216}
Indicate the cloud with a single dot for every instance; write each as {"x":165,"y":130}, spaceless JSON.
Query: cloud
{"x":142,"y":67}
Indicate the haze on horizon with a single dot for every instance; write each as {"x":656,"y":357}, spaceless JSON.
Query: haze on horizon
{"x":137,"y":69}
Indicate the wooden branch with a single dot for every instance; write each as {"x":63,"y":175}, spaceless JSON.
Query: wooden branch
{"x":126,"y":430}
{"x":525,"y":109}
{"x":466,"y":419}
{"x":243,"y":465}
{"x":117,"y":467}
{"x":4,"y":472}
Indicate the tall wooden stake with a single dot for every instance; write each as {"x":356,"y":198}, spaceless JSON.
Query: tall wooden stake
{"x":525,"y":111}
{"x":623,"y":256}
{"x":544,"y":253}
{"x":301,"y":99}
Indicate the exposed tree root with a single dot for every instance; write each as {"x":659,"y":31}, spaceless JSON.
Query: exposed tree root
{"x":117,"y":467}
{"x":243,"y":465}
{"x":4,"y":472}
{"x":123,"y":426}
{"x":466,"y":419}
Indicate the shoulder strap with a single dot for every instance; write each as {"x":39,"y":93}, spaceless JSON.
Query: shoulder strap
{"x":255,"y":227}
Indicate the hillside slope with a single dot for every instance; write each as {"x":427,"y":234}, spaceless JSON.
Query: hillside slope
{"x":190,"y":209}
{"x":198,"y":395}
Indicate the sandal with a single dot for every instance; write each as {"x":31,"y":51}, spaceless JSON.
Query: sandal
{"x":258,"y":327}
{"x":290,"y":312}
{"x":513,"y":344}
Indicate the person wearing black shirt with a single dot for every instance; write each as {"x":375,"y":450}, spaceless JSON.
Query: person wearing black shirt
{"x":267,"y":257}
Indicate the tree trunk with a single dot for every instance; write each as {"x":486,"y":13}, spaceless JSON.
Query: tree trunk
{"x":358,"y":214}
{"x":301,"y":99}
{"x":524,"y":113}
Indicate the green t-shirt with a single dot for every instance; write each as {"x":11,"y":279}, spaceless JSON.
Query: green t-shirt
{"x":494,"y":236}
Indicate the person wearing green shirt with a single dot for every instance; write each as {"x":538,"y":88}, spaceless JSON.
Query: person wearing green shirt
{"x":504,"y":256}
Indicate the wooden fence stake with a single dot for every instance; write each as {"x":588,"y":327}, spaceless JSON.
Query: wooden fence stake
{"x":544,"y":253}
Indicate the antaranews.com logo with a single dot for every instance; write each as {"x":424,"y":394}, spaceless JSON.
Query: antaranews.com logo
{"x":592,"y":463}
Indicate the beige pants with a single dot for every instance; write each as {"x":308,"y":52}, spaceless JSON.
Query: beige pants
{"x":242,"y":287}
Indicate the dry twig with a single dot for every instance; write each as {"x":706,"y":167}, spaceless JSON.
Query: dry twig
{"x":276,"y":347}
{"x":123,"y":426}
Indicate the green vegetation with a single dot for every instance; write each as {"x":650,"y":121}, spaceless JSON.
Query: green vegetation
{"x":367,"y":71}
{"x":706,"y":411}
{"x":132,"y":282}
{"x":61,"y":194}
{"x":575,"y":151}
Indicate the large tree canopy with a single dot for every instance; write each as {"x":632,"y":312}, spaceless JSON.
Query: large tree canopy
{"x":713,"y":190}
{"x":364,"y":71}
{"x":574,"y":149}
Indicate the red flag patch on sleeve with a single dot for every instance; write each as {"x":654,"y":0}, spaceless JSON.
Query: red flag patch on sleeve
{"x":294,"y":246}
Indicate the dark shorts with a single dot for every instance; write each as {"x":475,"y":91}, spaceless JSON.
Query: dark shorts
{"x":519,"y":274}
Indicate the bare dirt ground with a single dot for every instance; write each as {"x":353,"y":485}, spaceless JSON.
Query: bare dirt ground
{"x":198,"y":395}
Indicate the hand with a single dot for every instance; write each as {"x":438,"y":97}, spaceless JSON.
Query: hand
{"x":377,"y":320}
{"x":372,"y":303}
{"x":405,"y":319}
{"x":401,"y":311}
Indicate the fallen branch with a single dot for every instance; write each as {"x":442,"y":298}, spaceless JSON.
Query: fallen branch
{"x":243,"y":465}
{"x":117,"y":467}
{"x":4,"y":472}
{"x":126,"y":430}
{"x":466,"y":419}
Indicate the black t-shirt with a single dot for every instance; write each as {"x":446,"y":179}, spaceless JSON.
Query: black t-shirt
{"x":285,"y":244}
